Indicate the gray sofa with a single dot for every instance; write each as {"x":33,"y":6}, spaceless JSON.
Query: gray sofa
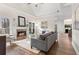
{"x":44,"y":42}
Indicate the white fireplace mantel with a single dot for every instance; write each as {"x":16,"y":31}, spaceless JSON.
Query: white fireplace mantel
{"x":21,"y":28}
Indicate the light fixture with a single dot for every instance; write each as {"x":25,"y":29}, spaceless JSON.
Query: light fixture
{"x":35,"y":4}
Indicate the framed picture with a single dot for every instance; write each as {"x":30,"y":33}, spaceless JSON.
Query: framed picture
{"x":21,"y":21}
{"x":44,"y":24}
{"x":4,"y":24}
{"x":31,"y":28}
{"x":76,"y":22}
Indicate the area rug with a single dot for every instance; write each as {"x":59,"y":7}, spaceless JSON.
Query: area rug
{"x":26,"y":44}
{"x":17,"y":50}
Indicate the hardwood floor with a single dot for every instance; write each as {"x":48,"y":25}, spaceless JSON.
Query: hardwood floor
{"x":62,"y":46}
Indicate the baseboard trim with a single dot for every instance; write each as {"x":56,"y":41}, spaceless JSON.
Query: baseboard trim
{"x":76,"y":50}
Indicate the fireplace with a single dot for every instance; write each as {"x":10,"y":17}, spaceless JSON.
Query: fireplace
{"x":21,"y":34}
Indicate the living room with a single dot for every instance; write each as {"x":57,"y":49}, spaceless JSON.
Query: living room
{"x":35,"y":29}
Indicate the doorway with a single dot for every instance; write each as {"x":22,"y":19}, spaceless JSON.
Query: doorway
{"x":68,"y":27}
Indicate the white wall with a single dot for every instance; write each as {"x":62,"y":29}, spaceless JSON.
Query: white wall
{"x":50,"y":20}
{"x":68,"y":21}
{"x":48,"y":12}
{"x":60,"y":23}
{"x":60,"y":26}
{"x":75,"y":33}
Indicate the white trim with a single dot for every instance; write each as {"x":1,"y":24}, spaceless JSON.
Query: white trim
{"x":76,"y":50}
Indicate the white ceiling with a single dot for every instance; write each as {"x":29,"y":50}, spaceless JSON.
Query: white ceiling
{"x":45,"y":9}
{"x":42,"y":9}
{"x":21,"y":6}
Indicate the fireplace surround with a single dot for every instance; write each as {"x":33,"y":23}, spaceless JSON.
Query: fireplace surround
{"x":21,"y":34}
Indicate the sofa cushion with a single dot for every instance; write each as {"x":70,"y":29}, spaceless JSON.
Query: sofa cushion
{"x":43,"y":36}
{"x":52,"y":32}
